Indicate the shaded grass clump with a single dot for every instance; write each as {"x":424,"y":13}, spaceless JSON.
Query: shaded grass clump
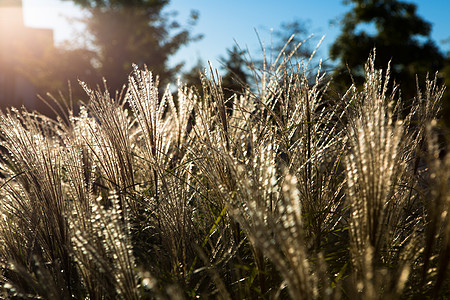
{"x":281,"y":191}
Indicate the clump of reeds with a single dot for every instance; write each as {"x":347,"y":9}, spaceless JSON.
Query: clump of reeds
{"x":280,"y":191}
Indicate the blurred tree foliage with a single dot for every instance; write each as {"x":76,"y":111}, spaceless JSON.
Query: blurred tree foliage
{"x":58,"y":67}
{"x":446,"y":101}
{"x":124,"y":32}
{"x":399,"y":35}
{"x":192,"y":76}
{"x":237,"y":64}
{"x":297,"y":33}
{"x":234,"y":77}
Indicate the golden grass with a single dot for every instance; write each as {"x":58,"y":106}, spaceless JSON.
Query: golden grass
{"x":292,"y":194}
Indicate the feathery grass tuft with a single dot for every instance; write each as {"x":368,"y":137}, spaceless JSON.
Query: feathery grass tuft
{"x":281,"y":191}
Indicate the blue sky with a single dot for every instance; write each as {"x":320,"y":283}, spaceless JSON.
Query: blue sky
{"x":224,"y":22}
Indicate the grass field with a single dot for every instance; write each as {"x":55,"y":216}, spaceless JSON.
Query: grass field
{"x":292,"y":193}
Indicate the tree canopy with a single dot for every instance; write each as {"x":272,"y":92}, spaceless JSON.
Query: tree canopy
{"x":297,"y":33}
{"x":398,"y":34}
{"x":234,"y":79}
{"x":124,"y":32}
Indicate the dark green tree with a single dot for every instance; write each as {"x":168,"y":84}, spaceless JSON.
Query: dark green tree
{"x":445,"y":75}
{"x":236,"y":66}
{"x":398,"y":34}
{"x":297,"y":33}
{"x":234,"y":75}
{"x":235,"y":78}
{"x":58,"y":67}
{"x":124,"y":32}
{"x":192,"y":77}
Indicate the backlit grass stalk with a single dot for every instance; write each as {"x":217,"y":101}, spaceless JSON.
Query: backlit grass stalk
{"x":280,"y":191}
{"x":36,"y":237}
{"x":379,"y":169}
